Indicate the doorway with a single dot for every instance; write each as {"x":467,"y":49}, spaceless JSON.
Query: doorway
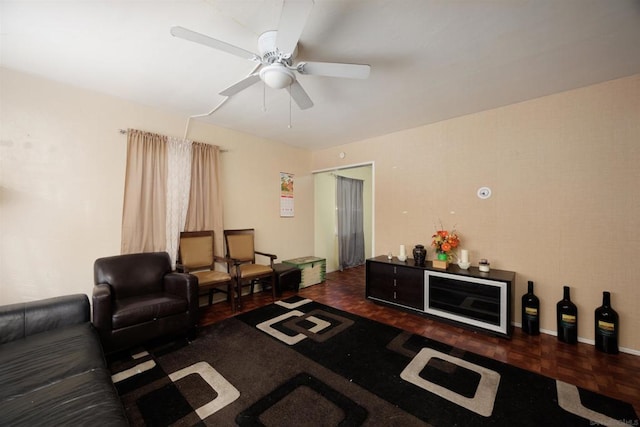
{"x":325,"y":215}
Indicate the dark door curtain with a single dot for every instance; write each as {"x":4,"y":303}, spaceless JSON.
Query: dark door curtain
{"x":350,"y":222}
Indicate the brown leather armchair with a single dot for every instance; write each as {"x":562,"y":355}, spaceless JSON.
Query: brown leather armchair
{"x":137,"y":297}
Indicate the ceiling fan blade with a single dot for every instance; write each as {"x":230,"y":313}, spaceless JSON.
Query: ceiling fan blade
{"x":193,"y":36}
{"x":333,"y":69}
{"x":241,"y":85}
{"x":292,"y":21}
{"x":300,"y":96}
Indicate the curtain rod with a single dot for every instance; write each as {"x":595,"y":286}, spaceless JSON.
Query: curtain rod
{"x":124,"y":132}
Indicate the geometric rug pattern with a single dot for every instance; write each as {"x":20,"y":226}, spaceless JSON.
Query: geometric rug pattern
{"x":298,"y":363}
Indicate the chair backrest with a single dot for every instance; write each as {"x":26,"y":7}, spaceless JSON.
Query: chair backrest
{"x":196,"y":250}
{"x":133,"y":274}
{"x":240,"y":244}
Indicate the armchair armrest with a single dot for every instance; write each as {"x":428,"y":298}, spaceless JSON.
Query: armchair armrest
{"x":236,"y":262}
{"x":223,"y":259}
{"x":270,"y":256}
{"x":24,"y":319}
{"x":181,"y":268}
{"x":186,"y":286}
{"x":102,"y":307}
{"x":228,"y":262}
{"x":182,"y":284}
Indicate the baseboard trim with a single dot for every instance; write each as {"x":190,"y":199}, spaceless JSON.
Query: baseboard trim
{"x":583,"y":340}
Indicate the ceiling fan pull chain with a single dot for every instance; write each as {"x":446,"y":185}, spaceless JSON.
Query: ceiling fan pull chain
{"x":264,"y":96}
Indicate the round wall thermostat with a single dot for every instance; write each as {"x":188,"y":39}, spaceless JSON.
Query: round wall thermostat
{"x":342,"y":155}
{"x":484,"y":192}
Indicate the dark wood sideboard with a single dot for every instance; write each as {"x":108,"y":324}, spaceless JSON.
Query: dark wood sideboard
{"x":469,"y":298}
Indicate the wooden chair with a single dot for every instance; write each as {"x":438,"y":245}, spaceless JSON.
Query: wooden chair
{"x":241,"y":250}
{"x":196,"y":256}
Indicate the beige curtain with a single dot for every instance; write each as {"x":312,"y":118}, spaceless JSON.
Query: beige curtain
{"x":143,"y":216}
{"x":151,"y":217}
{"x":205,"y":198}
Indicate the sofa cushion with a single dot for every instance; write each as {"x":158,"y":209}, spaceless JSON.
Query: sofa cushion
{"x":45,"y":358}
{"x":87,"y":398}
{"x":140,"y":309}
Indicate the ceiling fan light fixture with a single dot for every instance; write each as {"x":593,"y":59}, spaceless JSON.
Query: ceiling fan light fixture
{"x":277,"y":76}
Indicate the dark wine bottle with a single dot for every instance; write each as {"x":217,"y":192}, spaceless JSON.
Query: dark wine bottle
{"x":567,"y":319}
{"x":530,"y":312}
{"x":606,"y":325}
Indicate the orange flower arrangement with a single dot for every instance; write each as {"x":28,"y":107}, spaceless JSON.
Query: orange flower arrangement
{"x":444,"y":241}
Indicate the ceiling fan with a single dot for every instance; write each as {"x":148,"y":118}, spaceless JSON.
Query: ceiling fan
{"x":278,"y":49}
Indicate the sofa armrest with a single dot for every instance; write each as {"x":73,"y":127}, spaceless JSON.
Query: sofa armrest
{"x":102,"y":307}
{"x":23,"y":319}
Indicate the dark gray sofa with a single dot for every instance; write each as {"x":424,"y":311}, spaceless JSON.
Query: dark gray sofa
{"x":52,"y":367}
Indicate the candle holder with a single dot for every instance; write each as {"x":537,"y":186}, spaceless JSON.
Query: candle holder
{"x":484,"y":266}
{"x":402,"y":256}
{"x":464,"y":265}
{"x":464,"y":255}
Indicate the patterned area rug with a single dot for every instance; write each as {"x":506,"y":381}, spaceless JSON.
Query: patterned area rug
{"x":301,"y":363}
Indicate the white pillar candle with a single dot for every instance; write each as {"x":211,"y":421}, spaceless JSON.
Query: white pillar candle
{"x":403,"y":252}
{"x":464,"y":255}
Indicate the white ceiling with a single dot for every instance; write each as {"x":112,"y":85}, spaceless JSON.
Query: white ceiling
{"x":430,"y":59}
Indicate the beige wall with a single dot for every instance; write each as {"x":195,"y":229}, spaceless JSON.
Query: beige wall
{"x":563,"y":169}
{"x":565,"y":210}
{"x":62,"y":174}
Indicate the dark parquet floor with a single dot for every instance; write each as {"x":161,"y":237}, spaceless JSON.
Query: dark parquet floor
{"x":617,"y":376}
